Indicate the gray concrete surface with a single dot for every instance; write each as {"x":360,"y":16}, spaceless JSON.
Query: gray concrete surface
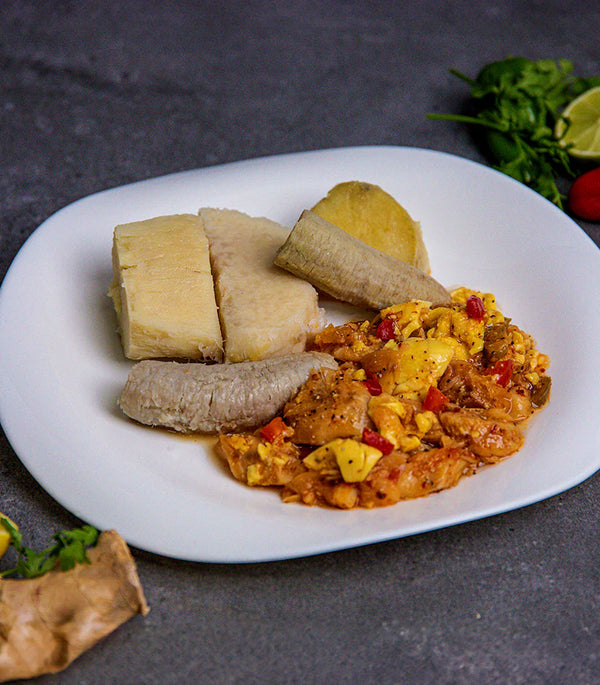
{"x":97,"y":94}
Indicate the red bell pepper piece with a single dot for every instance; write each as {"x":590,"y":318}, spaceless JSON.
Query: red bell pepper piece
{"x":376,"y":440}
{"x":373,"y":384}
{"x":475,"y":308}
{"x":503,"y":370}
{"x":386,"y":329}
{"x":435,"y":400}
{"x":276,"y":428}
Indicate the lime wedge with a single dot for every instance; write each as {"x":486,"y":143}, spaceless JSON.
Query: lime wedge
{"x":579,"y":126}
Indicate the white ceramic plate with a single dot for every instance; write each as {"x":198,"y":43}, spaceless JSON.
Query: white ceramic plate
{"x":61,"y":366}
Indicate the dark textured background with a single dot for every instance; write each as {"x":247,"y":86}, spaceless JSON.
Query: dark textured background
{"x":97,"y":94}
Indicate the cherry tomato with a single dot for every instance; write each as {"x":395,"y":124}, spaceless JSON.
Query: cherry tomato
{"x":584,"y":196}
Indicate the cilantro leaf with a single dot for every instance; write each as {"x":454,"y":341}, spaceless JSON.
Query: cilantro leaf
{"x":69,"y":549}
{"x":515,"y":104}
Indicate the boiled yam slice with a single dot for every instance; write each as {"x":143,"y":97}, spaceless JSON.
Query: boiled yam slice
{"x":264,"y":310}
{"x":163,"y":290}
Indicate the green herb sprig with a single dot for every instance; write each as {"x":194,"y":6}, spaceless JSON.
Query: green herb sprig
{"x":68,"y":549}
{"x":516,"y":103}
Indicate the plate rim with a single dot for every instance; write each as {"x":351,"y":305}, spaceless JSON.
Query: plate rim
{"x":22,"y":253}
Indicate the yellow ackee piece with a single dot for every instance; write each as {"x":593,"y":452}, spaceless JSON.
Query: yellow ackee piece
{"x":409,"y":316}
{"x":359,"y":375}
{"x":254,"y":474}
{"x":321,"y":459}
{"x":268,"y":454}
{"x":424,"y":421}
{"x":492,"y":313}
{"x":460,"y":349}
{"x":452,"y":323}
{"x":387,"y":415}
{"x":354,"y":459}
{"x":422,"y":363}
{"x":391,"y":416}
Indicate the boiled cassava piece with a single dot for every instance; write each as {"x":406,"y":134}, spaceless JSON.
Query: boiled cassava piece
{"x":264,"y":311}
